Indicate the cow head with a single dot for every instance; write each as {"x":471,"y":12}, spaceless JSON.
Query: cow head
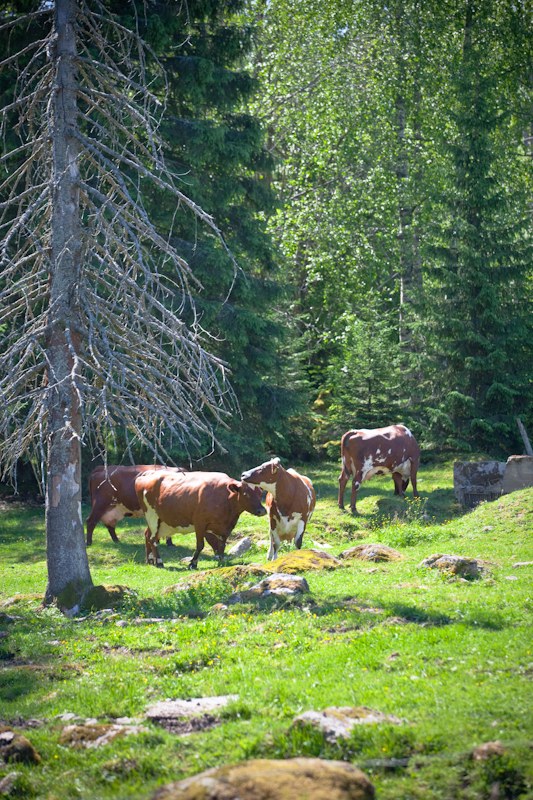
{"x":249,"y":498}
{"x":265,"y":475}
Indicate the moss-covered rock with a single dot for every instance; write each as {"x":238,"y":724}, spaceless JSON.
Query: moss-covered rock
{"x":371,"y":552}
{"x":459,"y":566}
{"x":278,"y":584}
{"x":15,"y":748}
{"x":290,"y":779}
{"x":303,"y":561}
{"x":95,"y":734}
{"x":99,"y":597}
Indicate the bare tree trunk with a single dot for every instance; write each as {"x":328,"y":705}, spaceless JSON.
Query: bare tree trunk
{"x":68,"y":566}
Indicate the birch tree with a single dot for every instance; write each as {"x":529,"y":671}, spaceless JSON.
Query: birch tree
{"x":90,"y":334}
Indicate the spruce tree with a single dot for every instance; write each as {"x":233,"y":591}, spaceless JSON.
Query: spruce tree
{"x":219,"y":150}
{"x":481,"y":348}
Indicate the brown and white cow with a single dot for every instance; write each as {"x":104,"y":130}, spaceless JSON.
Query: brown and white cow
{"x":290,"y":501}
{"x":112,"y":495}
{"x":209,"y":503}
{"x":378,"y":451}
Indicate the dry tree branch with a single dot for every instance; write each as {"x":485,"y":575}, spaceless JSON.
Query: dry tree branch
{"x":138,"y":368}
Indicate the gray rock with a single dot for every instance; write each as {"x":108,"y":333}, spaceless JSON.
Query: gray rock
{"x":196,"y":706}
{"x":338,"y":722}
{"x":241,"y":547}
{"x":455,"y":565}
{"x":275,"y":585}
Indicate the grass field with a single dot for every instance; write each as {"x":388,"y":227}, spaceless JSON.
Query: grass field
{"x":451,"y":658}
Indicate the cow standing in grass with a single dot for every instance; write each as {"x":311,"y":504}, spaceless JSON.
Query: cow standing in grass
{"x":379,"y":451}
{"x":113,"y":497}
{"x":208,"y":503}
{"x":290,"y":501}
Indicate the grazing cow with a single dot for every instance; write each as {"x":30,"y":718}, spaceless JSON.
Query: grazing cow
{"x":378,"y":451}
{"x":209,"y":503}
{"x":290,"y":502}
{"x":112,"y":494}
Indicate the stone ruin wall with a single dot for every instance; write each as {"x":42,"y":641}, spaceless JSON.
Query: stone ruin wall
{"x":477,"y":481}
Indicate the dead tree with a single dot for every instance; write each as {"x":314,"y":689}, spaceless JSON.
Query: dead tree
{"x":91,"y":339}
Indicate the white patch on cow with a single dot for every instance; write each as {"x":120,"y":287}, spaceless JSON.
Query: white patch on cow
{"x":167,"y":530}
{"x":118,"y":512}
{"x":152,"y":520}
{"x":378,"y":452}
{"x":370,"y":469}
{"x":379,"y":470}
{"x":404,"y":468}
{"x":407,"y":431}
{"x":268,"y":487}
{"x":287,"y":527}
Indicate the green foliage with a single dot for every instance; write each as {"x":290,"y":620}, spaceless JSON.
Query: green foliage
{"x":405,"y":180}
{"x":219,"y":149}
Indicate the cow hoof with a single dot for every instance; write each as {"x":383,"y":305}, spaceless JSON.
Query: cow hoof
{"x":193,"y":566}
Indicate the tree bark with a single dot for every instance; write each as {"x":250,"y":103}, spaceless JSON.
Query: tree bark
{"x":68,"y":566}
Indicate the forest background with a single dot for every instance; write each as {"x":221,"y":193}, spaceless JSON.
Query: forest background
{"x":369,"y":165}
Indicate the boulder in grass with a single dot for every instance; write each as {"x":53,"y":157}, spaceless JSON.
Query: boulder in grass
{"x":100,"y":597}
{"x":287,"y":779}
{"x":189,"y":716}
{"x":303,"y":561}
{"x":276,"y":585}
{"x":371,"y":552}
{"x":15,"y":748}
{"x":92,"y":734}
{"x":240,"y":547}
{"x":459,"y":566}
{"x":338,"y":722}
{"x":488,"y":750}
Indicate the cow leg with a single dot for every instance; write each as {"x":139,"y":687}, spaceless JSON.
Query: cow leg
{"x":356,"y":483}
{"x":112,"y":533}
{"x":90,"y":528}
{"x":398,"y":484}
{"x":274,"y":546}
{"x":193,"y":563}
{"x":170,"y":543}
{"x":413,"y":480}
{"x":343,"y":480}
{"x":299,"y":535}
{"x":152,"y":550}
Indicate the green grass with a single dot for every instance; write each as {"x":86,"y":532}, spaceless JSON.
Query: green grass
{"x":452,"y":658}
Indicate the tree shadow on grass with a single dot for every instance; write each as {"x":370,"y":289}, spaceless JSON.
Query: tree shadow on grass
{"x":16,"y":682}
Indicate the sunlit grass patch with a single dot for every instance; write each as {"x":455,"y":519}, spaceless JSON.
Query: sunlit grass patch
{"x":451,"y":658}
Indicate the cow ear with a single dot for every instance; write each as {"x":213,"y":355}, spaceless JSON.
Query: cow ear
{"x":233,"y":488}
